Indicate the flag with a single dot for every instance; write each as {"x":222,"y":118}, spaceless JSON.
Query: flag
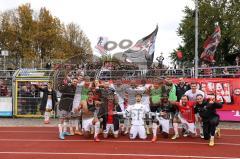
{"x":142,"y":53}
{"x":100,"y":45}
{"x":210,"y":45}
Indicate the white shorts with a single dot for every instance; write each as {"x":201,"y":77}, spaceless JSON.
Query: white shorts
{"x":190,"y":126}
{"x":110,"y":127}
{"x":87,"y":124}
{"x":138,"y":130}
{"x":49,"y":104}
{"x":165,"y":124}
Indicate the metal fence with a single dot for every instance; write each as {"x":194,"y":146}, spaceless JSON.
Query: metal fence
{"x":204,"y":72}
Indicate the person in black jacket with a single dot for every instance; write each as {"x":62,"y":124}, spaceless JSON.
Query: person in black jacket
{"x":181,"y":88}
{"x":67,"y":89}
{"x":209,"y":116}
{"x":108,"y":113}
{"x":48,"y":102}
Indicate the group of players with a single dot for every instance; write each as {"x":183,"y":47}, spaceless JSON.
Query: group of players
{"x":113,"y":108}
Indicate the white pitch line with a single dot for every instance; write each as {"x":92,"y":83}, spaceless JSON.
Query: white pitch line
{"x":19,"y":131}
{"x":119,"y":154}
{"x":55,"y":132}
{"x":119,"y":141}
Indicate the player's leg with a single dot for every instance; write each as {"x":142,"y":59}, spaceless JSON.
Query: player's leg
{"x":176,"y":120}
{"x":165,"y":127}
{"x":147,"y":120}
{"x":106,"y":131}
{"x":96,"y":124}
{"x":133,"y":132}
{"x":47,"y":113}
{"x":63,"y":124}
{"x":154,"y":129}
{"x":115,"y":127}
{"x":78,"y":130}
{"x":60,"y":129}
{"x":190,"y":128}
{"x":199,"y":125}
{"x":86,"y":125}
{"x":214,"y":121}
{"x":206,"y":130}
{"x":127,"y":124}
{"x":142,"y":132}
{"x":71,"y":126}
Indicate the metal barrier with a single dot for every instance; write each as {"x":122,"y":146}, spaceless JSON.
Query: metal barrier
{"x":204,"y":72}
{"x":224,"y":72}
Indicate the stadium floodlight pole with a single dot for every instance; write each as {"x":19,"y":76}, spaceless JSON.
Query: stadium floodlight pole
{"x":196,"y":38}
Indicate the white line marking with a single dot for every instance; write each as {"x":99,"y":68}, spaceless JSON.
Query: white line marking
{"x":119,"y":141}
{"x":19,"y":131}
{"x":120,"y":154}
{"x":55,"y":132}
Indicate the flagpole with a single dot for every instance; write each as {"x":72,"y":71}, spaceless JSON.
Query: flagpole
{"x":196,"y":38}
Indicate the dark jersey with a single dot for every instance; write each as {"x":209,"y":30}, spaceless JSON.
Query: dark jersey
{"x":207,"y":110}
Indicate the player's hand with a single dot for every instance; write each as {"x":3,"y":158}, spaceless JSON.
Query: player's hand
{"x":114,"y":112}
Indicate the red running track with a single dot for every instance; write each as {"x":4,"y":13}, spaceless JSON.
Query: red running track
{"x":43,"y":143}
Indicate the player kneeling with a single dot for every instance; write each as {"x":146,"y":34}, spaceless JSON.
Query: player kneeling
{"x":89,"y":116}
{"x":109,"y":116}
{"x":137,"y":114}
{"x":185,"y":116}
{"x":166,"y":111}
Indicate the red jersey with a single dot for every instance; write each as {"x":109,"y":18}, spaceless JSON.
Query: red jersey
{"x":110,"y":113}
{"x":187,"y":111}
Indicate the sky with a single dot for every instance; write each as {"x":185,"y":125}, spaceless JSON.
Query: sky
{"x":118,"y":19}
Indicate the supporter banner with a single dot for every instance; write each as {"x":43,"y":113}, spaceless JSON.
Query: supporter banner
{"x":225,"y":90}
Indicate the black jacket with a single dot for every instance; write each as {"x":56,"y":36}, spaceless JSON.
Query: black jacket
{"x":207,"y":110}
{"x":45,"y":98}
{"x":66,"y":101}
{"x":103,"y":113}
{"x":180,"y":90}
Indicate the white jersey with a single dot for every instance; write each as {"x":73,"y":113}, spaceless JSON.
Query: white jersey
{"x":192,"y":96}
{"x":145,"y":97}
{"x":137,"y":113}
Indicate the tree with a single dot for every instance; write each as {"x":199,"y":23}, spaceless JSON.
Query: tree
{"x":30,"y":35}
{"x":227,"y":14}
{"x":76,"y":42}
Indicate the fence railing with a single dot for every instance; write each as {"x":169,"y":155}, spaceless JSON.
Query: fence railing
{"x":203,"y":72}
